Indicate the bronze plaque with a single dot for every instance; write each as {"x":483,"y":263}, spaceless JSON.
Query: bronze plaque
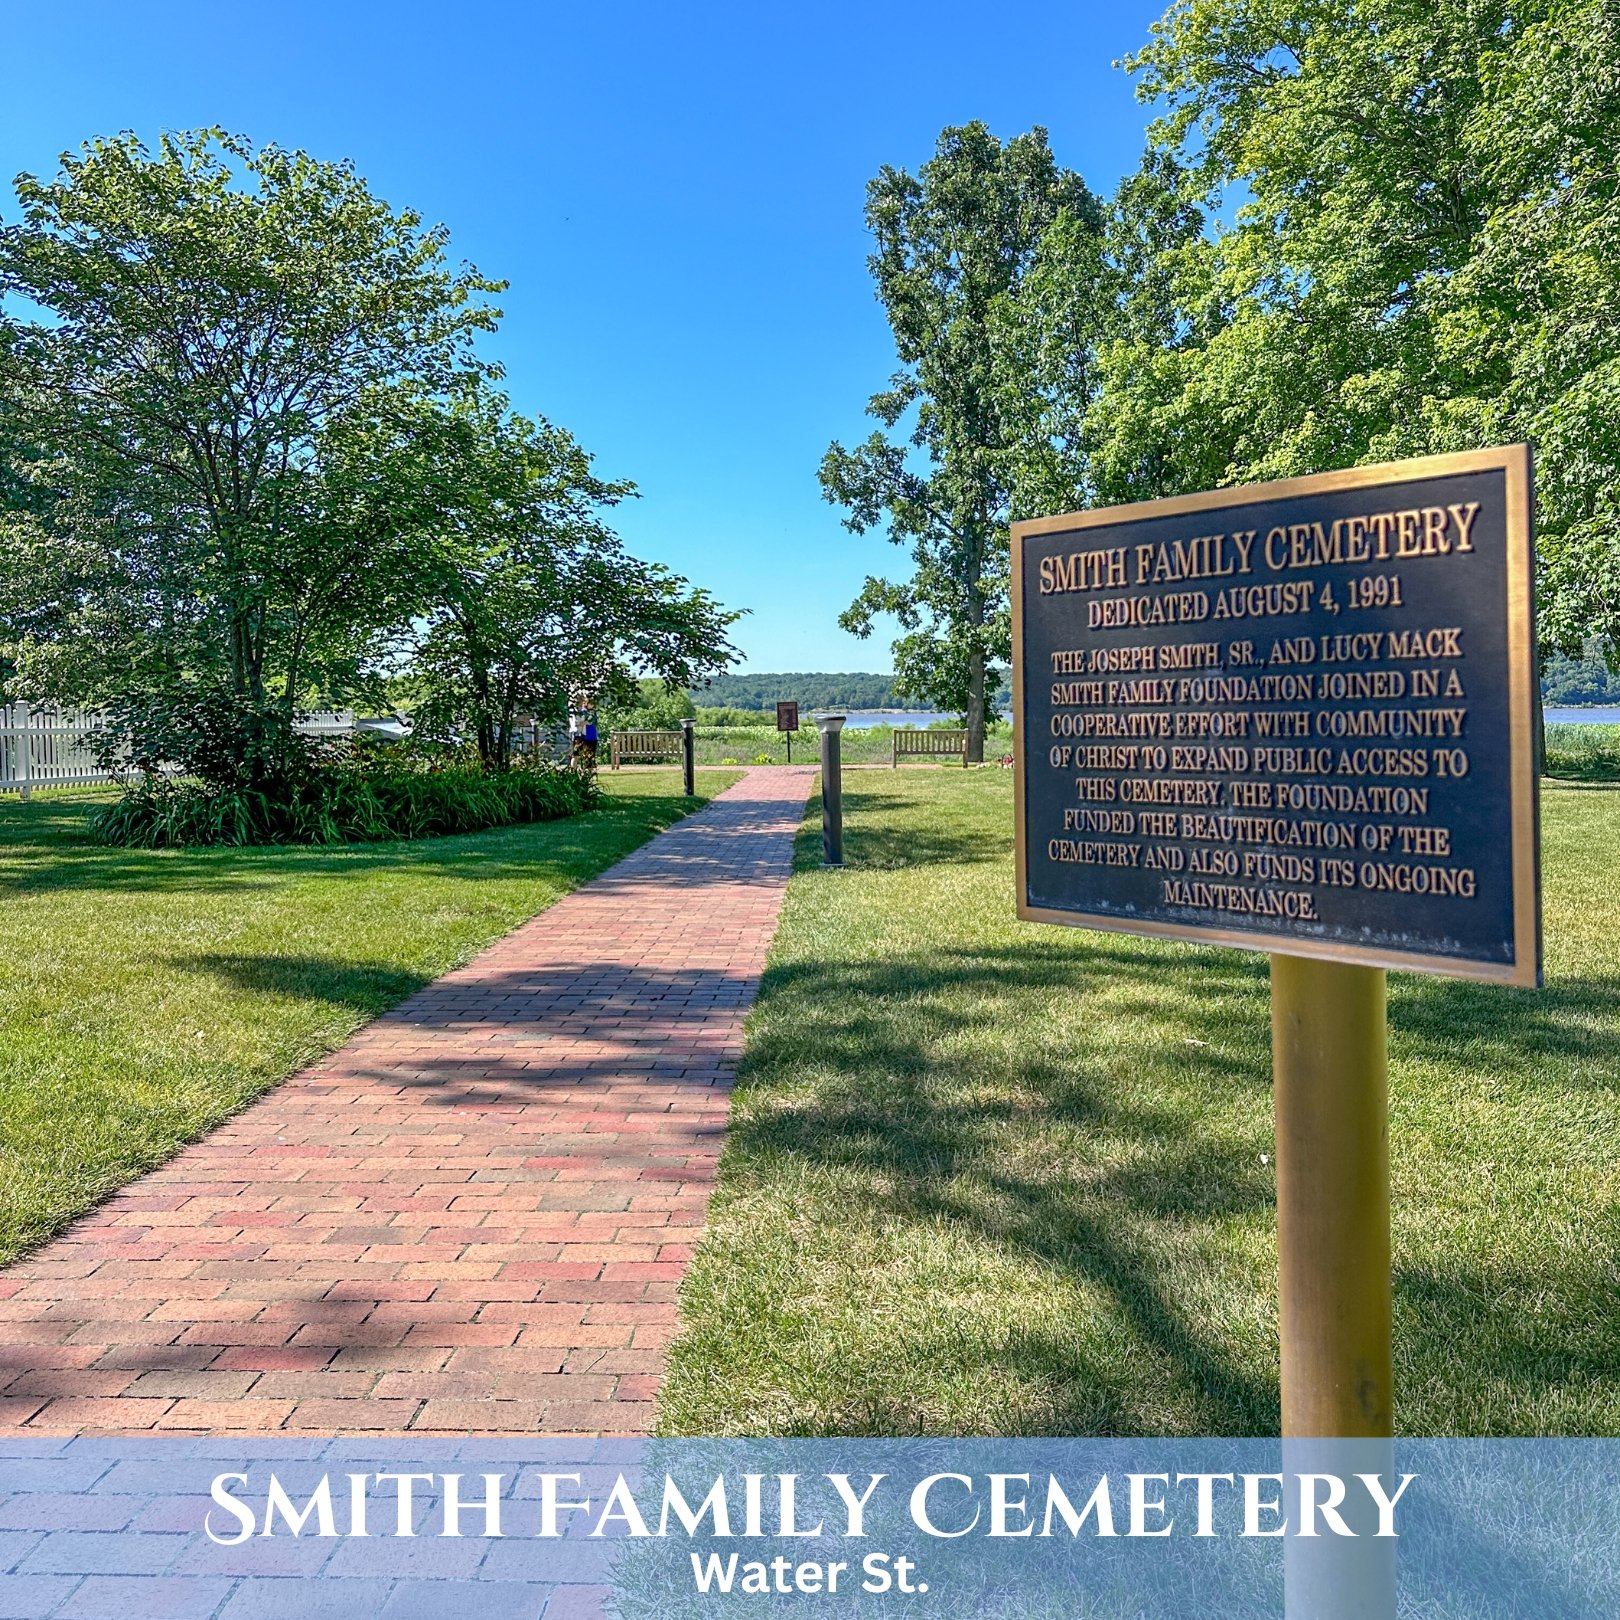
{"x":1298,"y":717}
{"x":787,"y":716}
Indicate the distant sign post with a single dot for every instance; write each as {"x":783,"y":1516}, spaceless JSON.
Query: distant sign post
{"x":1298,"y":717}
{"x":787,"y":719}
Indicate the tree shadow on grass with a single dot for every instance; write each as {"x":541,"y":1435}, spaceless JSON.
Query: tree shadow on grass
{"x":368,"y":987}
{"x":884,"y":1087}
{"x":1503,"y":1031}
{"x":883,"y":831}
{"x":928,"y":1143}
{"x":889,"y":845}
{"x":1513,"y":1325}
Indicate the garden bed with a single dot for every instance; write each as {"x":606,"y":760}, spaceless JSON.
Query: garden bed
{"x":345,"y":803}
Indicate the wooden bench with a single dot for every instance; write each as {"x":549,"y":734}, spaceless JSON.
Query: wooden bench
{"x":648,"y":745}
{"x":914,"y":744}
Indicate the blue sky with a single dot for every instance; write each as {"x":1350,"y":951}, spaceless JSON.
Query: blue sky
{"x":673,"y":191}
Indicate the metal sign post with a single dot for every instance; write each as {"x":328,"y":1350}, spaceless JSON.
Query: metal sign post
{"x":787,"y":719}
{"x":1330,"y":1089}
{"x":1300,"y":718}
{"x":689,"y":757}
{"x":1331,"y":1101}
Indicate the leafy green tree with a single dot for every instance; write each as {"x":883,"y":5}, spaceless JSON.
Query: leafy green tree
{"x":1424,"y":259}
{"x":655,"y":707}
{"x":206,"y":331}
{"x":1536,"y":307}
{"x":529,"y":603}
{"x":954,"y":244}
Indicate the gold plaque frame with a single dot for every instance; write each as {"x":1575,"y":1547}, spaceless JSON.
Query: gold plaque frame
{"x":1524,"y":698}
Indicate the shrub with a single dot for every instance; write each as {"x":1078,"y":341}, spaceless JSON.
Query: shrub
{"x":206,"y":732}
{"x":356,"y":800}
{"x":659,"y":709}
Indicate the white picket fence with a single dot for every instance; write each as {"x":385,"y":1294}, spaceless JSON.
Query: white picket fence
{"x":47,"y":748}
{"x":43,"y":747}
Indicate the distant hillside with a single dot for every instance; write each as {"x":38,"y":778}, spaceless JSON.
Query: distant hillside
{"x":812,"y":690}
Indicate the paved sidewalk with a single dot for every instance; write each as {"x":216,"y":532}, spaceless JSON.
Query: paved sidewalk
{"x":470,"y":1219}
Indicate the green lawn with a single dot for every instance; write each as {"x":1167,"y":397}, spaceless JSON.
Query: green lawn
{"x":868,"y":745}
{"x":146,"y":994}
{"x":994,"y":1178}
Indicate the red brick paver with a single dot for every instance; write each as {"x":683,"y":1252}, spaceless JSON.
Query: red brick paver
{"x":472,"y":1218}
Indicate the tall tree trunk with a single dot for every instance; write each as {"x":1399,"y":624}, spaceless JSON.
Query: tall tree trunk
{"x":975,"y":714}
{"x":295,"y":658}
{"x":239,"y":651}
{"x":507,"y":721}
{"x":245,"y":749}
{"x":975,"y":618}
{"x":483,"y":707}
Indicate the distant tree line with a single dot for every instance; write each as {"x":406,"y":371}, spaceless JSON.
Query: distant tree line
{"x":809,"y":689}
{"x":822,"y":689}
{"x":1362,"y":230}
{"x":817,"y":690}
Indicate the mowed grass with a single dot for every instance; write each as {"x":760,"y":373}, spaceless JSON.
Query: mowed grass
{"x":986,"y":1177}
{"x":858,"y":745}
{"x":147,"y":994}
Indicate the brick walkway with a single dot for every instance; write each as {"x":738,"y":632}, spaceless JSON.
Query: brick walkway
{"x":470,"y":1219}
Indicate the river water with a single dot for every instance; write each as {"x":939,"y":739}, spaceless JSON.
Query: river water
{"x":863,"y":719}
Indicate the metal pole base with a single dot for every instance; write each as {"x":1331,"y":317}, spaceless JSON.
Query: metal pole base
{"x":1329,"y":1066}
{"x":832,"y":789}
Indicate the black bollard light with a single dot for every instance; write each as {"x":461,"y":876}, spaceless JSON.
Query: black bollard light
{"x":689,"y":756}
{"x":830,"y":724}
